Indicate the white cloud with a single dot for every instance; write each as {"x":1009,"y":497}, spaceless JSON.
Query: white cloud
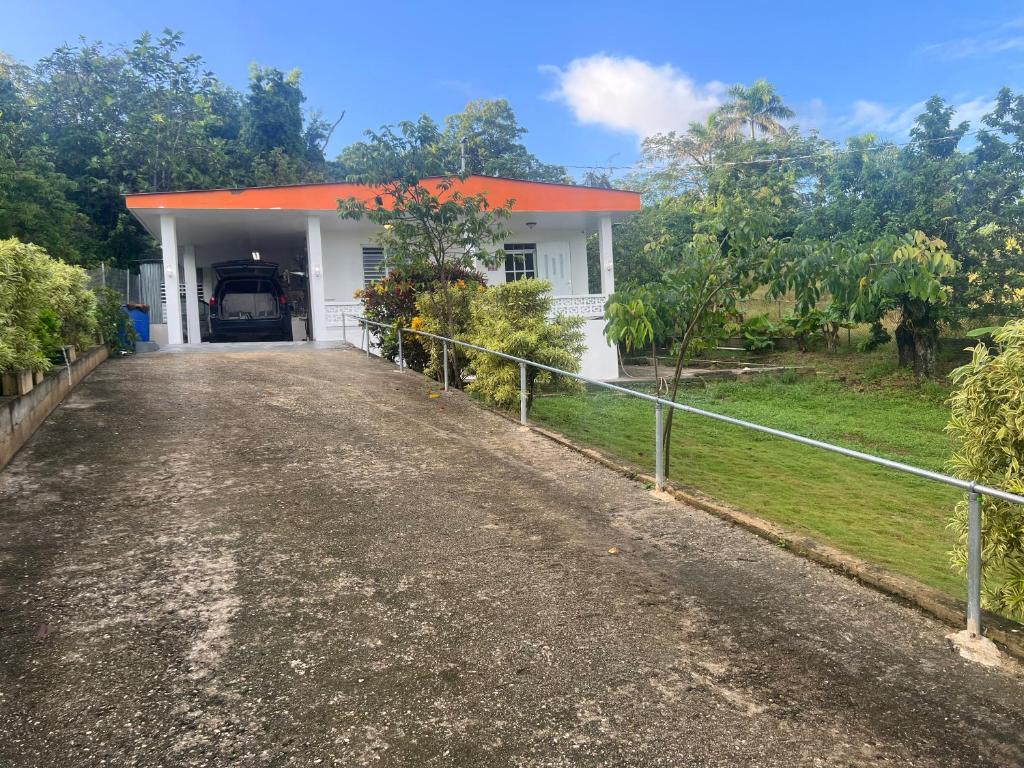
{"x":888,"y":121}
{"x":878,"y":118}
{"x":1000,"y":39}
{"x":633,"y":96}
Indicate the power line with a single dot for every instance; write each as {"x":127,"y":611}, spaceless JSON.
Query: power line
{"x":641,"y":165}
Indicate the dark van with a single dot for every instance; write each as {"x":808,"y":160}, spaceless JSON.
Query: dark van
{"x":249,"y":303}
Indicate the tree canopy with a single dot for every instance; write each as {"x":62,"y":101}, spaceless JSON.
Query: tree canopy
{"x":846,"y":213}
{"x":90,"y":122}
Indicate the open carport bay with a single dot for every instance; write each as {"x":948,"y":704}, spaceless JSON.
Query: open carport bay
{"x":298,"y":555}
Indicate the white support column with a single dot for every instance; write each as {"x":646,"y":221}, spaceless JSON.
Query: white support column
{"x":315,"y":253}
{"x":607,"y":260}
{"x":169,"y":246}
{"x":191,"y":296}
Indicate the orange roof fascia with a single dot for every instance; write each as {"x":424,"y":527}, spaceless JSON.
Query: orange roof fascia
{"x":531,"y":196}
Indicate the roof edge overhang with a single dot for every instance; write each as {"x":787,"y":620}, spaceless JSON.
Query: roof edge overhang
{"x":526,"y":197}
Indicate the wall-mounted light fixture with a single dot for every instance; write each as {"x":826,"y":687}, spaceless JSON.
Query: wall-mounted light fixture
{"x":531,"y":224}
{"x":316,"y":270}
{"x":255,"y":255}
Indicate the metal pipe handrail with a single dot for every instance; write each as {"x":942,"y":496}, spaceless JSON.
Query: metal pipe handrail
{"x":964,"y":485}
{"x":974,"y":490}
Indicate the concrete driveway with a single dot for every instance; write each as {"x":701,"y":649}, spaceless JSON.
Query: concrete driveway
{"x":301,"y":557}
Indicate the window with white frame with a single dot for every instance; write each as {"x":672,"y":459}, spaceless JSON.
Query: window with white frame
{"x":520,"y":261}
{"x":375,"y":266}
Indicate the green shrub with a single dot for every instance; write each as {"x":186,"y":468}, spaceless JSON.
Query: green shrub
{"x":24,"y":271}
{"x":115,"y":325}
{"x":759,"y":333}
{"x":392,"y":300}
{"x":513,"y":318}
{"x":44,"y":304}
{"x":987,"y":427}
{"x":68,"y":295}
{"x":877,"y":337}
{"x":807,"y":329}
{"x":430,"y":317}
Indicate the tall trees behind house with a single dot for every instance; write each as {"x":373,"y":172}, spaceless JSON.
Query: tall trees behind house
{"x":90,"y":122}
{"x":484,"y":139}
{"x":839,"y":207}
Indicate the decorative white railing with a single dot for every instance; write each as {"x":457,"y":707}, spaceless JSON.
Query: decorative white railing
{"x":335,"y":311}
{"x":588,"y":305}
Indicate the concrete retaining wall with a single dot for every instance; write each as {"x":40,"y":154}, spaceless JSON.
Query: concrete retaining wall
{"x":21,"y":416}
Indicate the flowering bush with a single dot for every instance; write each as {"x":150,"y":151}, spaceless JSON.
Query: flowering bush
{"x":393,"y":300}
{"x":431,"y":318}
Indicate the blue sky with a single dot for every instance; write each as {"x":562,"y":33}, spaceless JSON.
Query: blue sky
{"x":588,"y":79}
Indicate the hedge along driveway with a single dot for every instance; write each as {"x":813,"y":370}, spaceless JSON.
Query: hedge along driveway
{"x":880,"y":515}
{"x":303,"y":556}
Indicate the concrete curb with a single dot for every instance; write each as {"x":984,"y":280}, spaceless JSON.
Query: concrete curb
{"x":944,"y":607}
{"x":21,"y":416}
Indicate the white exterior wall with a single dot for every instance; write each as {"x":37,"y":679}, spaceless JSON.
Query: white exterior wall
{"x":561,"y":258}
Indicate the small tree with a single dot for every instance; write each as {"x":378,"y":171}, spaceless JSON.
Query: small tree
{"x":636,"y":319}
{"x":446,"y":313}
{"x":987,"y":426}
{"x":702,"y":278}
{"x":429,"y":223}
{"x":513,"y":318}
{"x":864,"y":282}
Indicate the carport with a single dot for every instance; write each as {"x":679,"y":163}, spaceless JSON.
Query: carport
{"x":192,"y":241}
{"x":325,"y":259}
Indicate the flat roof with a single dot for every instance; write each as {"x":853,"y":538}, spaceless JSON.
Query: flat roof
{"x":527,"y":196}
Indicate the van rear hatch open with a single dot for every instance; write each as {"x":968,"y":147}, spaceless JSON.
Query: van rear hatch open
{"x":229,"y":269}
{"x":248,"y":299}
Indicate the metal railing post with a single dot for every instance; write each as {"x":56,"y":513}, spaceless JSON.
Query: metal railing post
{"x":975,"y":490}
{"x":522,"y":394}
{"x":659,"y":448}
{"x":344,"y":322}
{"x":445,"y":344}
{"x":401,"y":355}
{"x":974,"y":563}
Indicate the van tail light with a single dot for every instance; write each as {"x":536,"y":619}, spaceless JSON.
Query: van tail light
{"x":282,"y":299}
{"x":213,"y":302}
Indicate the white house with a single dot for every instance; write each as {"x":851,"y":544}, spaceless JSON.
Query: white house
{"x":328,"y":258}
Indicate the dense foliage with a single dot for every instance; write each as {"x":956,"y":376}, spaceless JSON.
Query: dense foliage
{"x":987,"y":427}
{"x":392,"y":300}
{"x":44,"y":305}
{"x":446,"y":311}
{"x":428,"y":223}
{"x":920,"y":236}
{"x":514,"y":318}
{"x":90,"y":122}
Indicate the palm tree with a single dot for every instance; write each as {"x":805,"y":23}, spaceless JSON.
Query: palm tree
{"x":758,"y":107}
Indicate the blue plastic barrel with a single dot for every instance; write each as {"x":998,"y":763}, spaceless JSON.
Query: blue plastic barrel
{"x":140,"y":319}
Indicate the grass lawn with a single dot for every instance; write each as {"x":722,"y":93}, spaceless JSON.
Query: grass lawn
{"x":880,"y":515}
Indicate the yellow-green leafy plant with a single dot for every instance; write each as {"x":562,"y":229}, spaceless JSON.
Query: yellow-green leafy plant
{"x":987,"y":427}
{"x":24,"y":272}
{"x":446,"y":312}
{"x":69,"y":297}
{"x":514,"y":318}
{"x":44,"y":304}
